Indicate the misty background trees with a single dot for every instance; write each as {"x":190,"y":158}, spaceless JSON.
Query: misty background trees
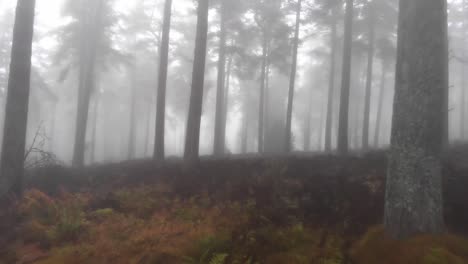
{"x":112,"y":80}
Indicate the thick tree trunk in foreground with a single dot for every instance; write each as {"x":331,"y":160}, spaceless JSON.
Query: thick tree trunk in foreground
{"x":414,"y":184}
{"x":162,"y":82}
{"x":370,"y":65}
{"x":192,"y":135}
{"x":16,"y":111}
{"x":292,"y":80}
{"x":331,"y":85}
{"x":219,"y":135}
{"x":343,"y":125}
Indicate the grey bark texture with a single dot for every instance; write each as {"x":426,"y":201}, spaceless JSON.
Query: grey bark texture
{"x":192,"y":135}
{"x":16,"y":111}
{"x":413,"y":201}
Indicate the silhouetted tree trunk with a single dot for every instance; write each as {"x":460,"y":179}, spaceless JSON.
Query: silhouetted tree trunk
{"x":414,"y":201}
{"x":219,"y":133}
{"x":370,"y":65}
{"x":378,"y":121}
{"x":159,"y":145}
{"x":192,"y":138}
{"x":87,"y":81}
{"x":16,"y":111}
{"x":227,"y":88}
{"x":292,"y":80}
{"x":261,"y":105}
{"x":94,"y":132}
{"x":343,"y":125}
{"x":308,"y":123}
{"x":133,"y":119}
{"x":463,"y":77}
{"x":331,"y":85}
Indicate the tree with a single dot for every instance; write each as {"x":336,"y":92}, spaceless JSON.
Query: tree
{"x":162,"y":81}
{"x":86,"y":46}
{"x":192,"y":135}
{"x":413,"y":201}
{"x":345,"y":82}
{"x":220,"y":122}
{"x":16,"y":114}
{"x":292,"y":78}
{"x":371,"y":22}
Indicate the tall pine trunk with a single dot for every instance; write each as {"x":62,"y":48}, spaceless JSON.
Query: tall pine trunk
{"x":292,"y":80}
{"x":92,"y":22}
{"x":159,"y":145}
{"x":414,"y":201}
{"x":343,"y":125}
{"x":331,"y":84}
{"x":370,"y":65}
{"x":192,"y":136}
{"x":93,"y":145}
{"x":219,"y":135}
{"x":133,"y":118}
{"x":16,"y":111}
{"x":463,"y":78}
{"x":378,"y":121}
{"x":261,"y":105}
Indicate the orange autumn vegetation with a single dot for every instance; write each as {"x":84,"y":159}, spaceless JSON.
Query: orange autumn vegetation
{"x":151,"y":224}
{"x":376,"y":247}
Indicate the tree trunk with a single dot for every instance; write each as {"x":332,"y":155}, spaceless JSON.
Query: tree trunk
{"x":219,"y":135}
{"x":463,"y":78}
{"x":343,"y":125}
{"x":370,"y":65}
{"x":159,"y":145}
{"x":87,"y":82}
{"x":292,"y":80}
{"x":133,"y":118}
{"x":192,"y":138}
{"x":378,"y":121}
{"x":414,"y":201}
{"x":261,"y":105}
{"x":331,"y":85}
{"x":16,"y":111}
{"x":94,"y":132}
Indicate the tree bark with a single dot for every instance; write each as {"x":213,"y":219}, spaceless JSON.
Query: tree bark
{"x":343,"y":125}
{"x":292,"y":80}
{"x":331,"y":85}
{"x":370,"y":65}
{"x":159,"y":145}
{"x":16,"y":111}
{"x":414,"y":201}
{"x":192,"y":138}
{"x":219,"y":136}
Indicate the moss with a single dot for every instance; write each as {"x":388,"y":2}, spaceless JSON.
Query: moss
{"x":377,"y":247}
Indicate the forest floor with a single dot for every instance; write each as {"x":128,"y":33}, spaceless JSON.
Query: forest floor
{"x":246,"y":210}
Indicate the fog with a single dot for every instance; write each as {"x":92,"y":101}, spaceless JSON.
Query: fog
{"x":122,"y":107}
